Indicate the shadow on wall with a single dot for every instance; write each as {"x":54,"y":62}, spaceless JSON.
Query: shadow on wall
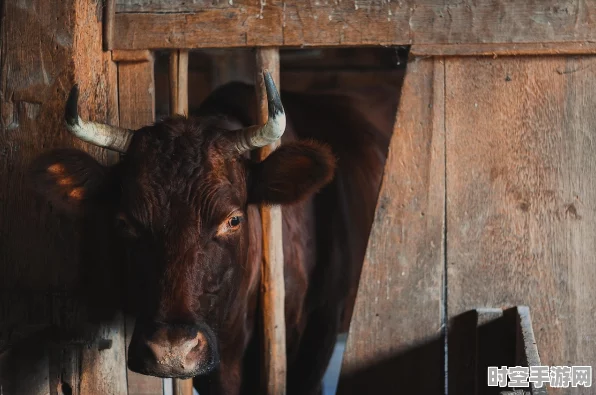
{"x":418,"y":370}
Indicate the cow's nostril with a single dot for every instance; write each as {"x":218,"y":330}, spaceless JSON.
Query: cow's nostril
{"x":196,"y":346}
{"x":185,"y":353}
{"x":172,"y":351}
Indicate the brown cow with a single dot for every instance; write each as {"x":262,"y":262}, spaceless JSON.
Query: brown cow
{"x":184,"y":201}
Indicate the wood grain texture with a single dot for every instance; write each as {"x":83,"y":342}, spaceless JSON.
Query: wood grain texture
{"x":136,"y":90}
{"x":168,"y":6}
{"x":136,"y":93}
{"x":45,"y":49}
{"x":522,"y":196}
{"x":103,"y":365}
{"x":508,"y":49}
{"x":179,"y":82}
{"x":396,"y":330}
{"x":173,"y":72}
{"x":142,"y":55}
{"x":196,"y":24}
{"x":272,"y":270}
{"x":182,"y":387}
{"x":102,"y":360}
{"x":38,"y":250}
{"x":109,"y":14}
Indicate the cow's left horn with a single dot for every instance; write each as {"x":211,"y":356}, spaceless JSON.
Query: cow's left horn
{"x":102,"y":135}
{"x":260,"y":136}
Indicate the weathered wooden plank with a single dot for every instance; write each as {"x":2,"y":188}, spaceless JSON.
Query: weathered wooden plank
{"x":103,"y":365}
{"x":182,"y":387}
{"x":37,"y":249}
{"x":395,"y":337}
{"x":102,"y":359}
{"x":521,"y":195}
{"x":240,"y":23}
{"x":173,"y":71}
{"x":45,"y":49}
{"x":272,"y":269}
{"x":179,"y":82}
{"x":506,"y":49}
{"x":141,"y":55}
{"x":109,"y":14}
{"x":136,"y":90}
{"x":168,"y":6}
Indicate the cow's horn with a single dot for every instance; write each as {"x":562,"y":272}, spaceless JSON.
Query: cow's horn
{"x":260,"y":136}
{"x":102,"y":135}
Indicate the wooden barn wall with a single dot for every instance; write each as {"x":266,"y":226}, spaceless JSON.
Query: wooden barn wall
{"x":45,"y":48}
{"x":521,"y":196}
{"x":488,"y":200}
{"x":396,"y":329}
{"x":141,"y":24}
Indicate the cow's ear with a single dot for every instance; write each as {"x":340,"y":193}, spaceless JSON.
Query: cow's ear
{"x":69,"y":179}
{"x":291,"y":173}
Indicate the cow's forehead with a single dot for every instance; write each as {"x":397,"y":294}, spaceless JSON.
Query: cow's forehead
{"x":179,"y":148}
{"x":182,"y":164}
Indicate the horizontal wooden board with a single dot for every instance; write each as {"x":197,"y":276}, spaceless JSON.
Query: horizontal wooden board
{"x":132,"y":56}
{"x":168,"y":6}
{"x":568,"y":48}
{"x":194,"y":24}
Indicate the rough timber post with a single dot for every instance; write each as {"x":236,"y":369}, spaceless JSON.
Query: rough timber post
{"x":272,"y":269}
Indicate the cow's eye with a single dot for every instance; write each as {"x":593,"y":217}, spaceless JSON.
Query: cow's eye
{"x":230,"y":225}
{"x":235,"y":221}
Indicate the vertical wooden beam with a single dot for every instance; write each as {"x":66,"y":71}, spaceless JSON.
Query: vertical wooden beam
{"x":136,"y":90}
{"x":46,"y":48}
{"x":179,"y":106}
{"x":272,"y":270}
{"x":395,"y":336}
{"x":182,"y":387}
{"x":136,"y":94}
{"x":103,"y":363}
{"x":108,"y":24}
{"x":179,"y":82}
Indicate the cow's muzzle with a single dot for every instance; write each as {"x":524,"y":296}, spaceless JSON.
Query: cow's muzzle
{"x":172,"y":350}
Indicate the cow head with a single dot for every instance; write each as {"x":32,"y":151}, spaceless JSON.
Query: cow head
{"x":179,"y":200}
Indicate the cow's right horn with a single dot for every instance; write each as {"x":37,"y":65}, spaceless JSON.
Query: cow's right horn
{"x":260,"y":136}
{"x":102,"y":135}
